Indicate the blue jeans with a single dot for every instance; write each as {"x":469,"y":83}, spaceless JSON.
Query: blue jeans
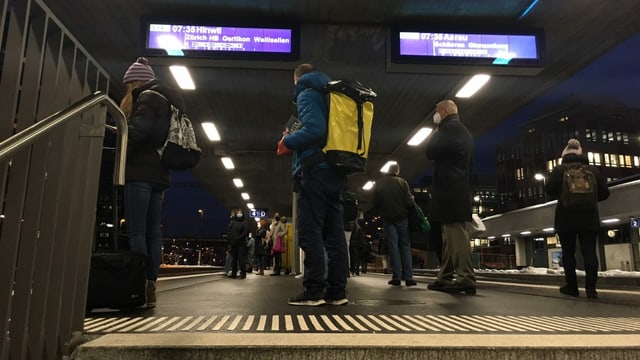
{"x":321,"y":230}
{"x":142,"y":208}
{"x":397,"y":234}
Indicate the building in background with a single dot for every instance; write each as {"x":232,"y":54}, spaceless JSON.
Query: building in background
{"x":609,"y":135}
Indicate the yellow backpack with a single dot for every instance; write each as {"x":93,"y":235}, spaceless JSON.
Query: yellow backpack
{"x":349,"y":125}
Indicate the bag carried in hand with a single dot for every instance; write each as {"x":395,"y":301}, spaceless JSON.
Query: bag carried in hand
{"x":417,"y":221}
{"x":579,"y":188}
{"x":349,"y":125}
{"x":476,"y":226}
{"x":278,"y":246}
{"x":180,"y":151}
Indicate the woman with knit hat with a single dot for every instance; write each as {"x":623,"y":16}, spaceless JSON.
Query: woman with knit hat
{"x":146,"y":105}
{"x":573,"y":222}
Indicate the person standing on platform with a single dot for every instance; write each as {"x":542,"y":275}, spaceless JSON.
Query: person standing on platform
{"x":237,"y":238}
{"x":261,"y":247}
{"x":319,"y":190}
{"x":355,"y":247}
{"x":279,"y":230}
{"x":392,"y":199}
{"x":581,"y":221}
{"x":148,"y":116}
{"x":450,"y":147}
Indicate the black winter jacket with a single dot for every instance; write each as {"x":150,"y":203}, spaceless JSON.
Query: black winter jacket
{"x":451,"y":149}
{"x":148,"y":128}
{"x":392,"y":198}
{"x":571,"y":220}
{"x":238,"y":231}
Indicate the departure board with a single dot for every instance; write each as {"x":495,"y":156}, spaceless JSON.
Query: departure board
{"x":518,"y":48}
{"x":182,"y":39}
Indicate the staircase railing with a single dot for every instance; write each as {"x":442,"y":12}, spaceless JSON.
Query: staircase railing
{"x":49,"y":177}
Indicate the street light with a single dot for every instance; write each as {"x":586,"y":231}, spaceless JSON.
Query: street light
{"x":478,"y":199}
{"x":540,"y":177}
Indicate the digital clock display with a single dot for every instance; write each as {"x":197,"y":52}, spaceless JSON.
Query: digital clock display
{"x":173,"y":37}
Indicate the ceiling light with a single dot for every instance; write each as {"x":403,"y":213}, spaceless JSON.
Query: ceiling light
{"x":525,"y":233}
{"x":182,"y":76}
{"x":211,"y":131}
{"x":368,"y":185}
{"x":491,"y":237}
{"x":238,"y":182}
{"x":473,"y":85}
{"x":226,"y":161}
{"x":506,"y":235}
{"x":608,"y":221}
{"x":385,"y":168}
{"x":549,"y":229}
{"x":250,"y":206}
{"x":245,"y":196}
{"x":419,"y":137}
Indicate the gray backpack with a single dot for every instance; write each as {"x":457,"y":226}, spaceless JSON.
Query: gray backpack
{"x":579,"y":187}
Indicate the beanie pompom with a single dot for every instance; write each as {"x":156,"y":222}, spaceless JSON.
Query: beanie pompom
{"x":573,"y":147}
{"x":139,"y":71}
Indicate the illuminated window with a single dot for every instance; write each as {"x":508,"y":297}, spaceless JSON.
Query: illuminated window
{"x":604,"y":136}
{"x":636,"y":161}
{"x":607,"y":163}
{"x":621,"y":160}
{"x":596,"y":159}
{"x":614,"y":160}
{"x":618,"y":136}
{"x":610,"y":136}
{"x":549,"y":165}
{"x":590,"y":157}
{"x":625,"y":138}
{"x":627,"y":161}
{"x":519,"y":173}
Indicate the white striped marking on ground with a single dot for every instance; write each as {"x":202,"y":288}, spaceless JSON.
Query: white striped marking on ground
{"x":364,"y":323}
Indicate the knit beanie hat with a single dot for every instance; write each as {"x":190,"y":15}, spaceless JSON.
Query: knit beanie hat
{"x":139,"y":71}
{"x":573,"y":147}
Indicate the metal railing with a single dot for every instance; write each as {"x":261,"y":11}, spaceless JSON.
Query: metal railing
{"x":31,"y":134}
{"x":50,"y":173}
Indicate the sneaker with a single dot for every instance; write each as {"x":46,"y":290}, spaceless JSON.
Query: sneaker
{"x":394,"y":282}
{"x":150,"y":293}
{"x":336,"y":302}
{"x":410,"y":283}
{"x":306,"y":300}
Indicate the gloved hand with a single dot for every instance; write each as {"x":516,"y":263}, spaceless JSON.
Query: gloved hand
{"x":282,"y":149}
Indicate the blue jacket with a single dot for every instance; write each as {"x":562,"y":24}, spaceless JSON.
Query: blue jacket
{"x":313,"y":112}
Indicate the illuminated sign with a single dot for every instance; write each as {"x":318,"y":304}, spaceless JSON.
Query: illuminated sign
{"x":258,"y":213}
{"x":492,"y":48}
{"x":205,"y":40}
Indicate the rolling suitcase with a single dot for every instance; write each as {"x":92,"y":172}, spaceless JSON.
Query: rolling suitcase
{"x":116,"y":280}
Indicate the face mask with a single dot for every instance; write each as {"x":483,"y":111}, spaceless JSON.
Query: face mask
{"x":238,"y":215}
{"x":437,"y":118}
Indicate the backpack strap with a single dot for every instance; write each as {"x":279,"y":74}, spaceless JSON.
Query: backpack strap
{"x":151,"y":91}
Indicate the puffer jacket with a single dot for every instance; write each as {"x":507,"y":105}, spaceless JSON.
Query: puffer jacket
{"x":572,"y":220}
{"x":451,"y":149}
{"x":313,"y":112}
{"x":147,"y":131}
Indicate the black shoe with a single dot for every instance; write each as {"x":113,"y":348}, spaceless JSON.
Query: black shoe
{"x":569,"y":291}
{"x":243,"y":276}
{"x":592,"y":294}
{"x":410,"y":283}
{"x":469,"y":290}
{"x":394,"y":282}
{"x":436,"y":285}
{"x":307,"y":300}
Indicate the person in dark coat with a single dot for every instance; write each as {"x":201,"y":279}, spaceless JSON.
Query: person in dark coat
{"x":148,"y":115}
{"x":450,"y":147}
{"x":355,"y":245}
{"x":392,"y":199}
{"x":581,"y":223}
{"x":261,"y":247}
{"x":237,"y":238}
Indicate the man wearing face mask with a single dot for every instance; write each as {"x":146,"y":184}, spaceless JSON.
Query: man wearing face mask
{"x":450,"y":148}
{"x":237,"y":238}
